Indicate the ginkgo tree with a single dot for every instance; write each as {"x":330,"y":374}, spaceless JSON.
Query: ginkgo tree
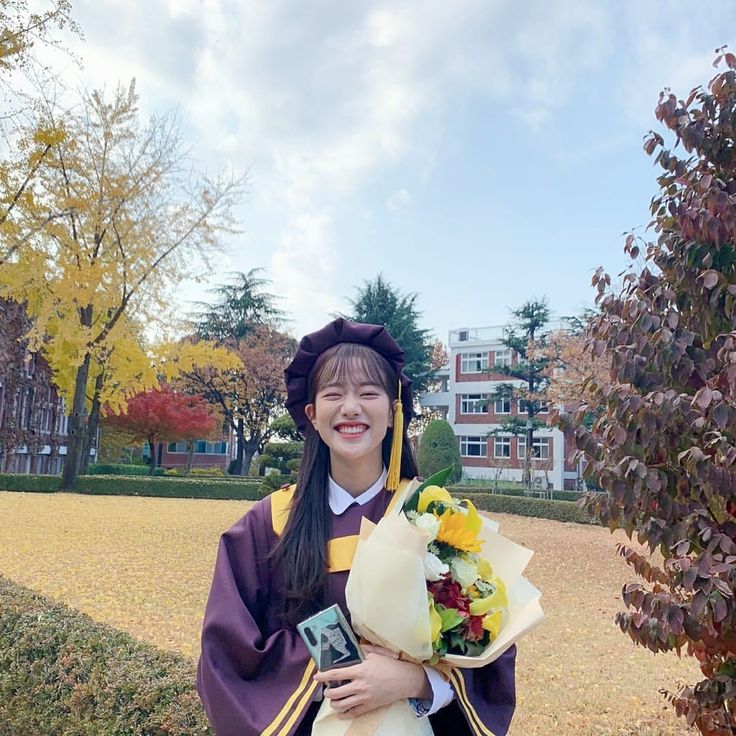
{"x":23,"y":31}
{"x":117,"y":217}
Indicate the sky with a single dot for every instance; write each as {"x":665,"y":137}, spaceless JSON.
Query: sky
{"x":478,"y":153}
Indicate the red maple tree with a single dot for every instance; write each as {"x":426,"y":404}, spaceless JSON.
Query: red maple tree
{"x":165,"y":415}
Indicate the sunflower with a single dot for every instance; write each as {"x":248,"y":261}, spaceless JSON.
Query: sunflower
{"x":455,"y":532}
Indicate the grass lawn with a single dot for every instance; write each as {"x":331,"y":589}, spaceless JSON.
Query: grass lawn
{"x":144,"y":565}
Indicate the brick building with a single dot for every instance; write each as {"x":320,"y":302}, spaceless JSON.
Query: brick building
{"x":463,"y":400}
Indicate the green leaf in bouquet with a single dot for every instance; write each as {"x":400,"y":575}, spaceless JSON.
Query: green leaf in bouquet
{"x":475,"y":648}
{"x":450,"y":617}
{"x":456,"y":643}
{"x":438,"y":479}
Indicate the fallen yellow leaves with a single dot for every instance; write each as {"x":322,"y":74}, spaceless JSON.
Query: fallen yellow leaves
{"x":144,"y":565}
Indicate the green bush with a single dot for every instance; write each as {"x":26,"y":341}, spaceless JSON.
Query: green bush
{"x":62,"y":673}
{"x":31,"y":483}
{"x":121,"y":469}
{"x":537,"y":507}
{"x":438,"y":449}
{"x":514,"y":490}
{"x":272,"y":481}
{"x":121,"y":485}
{"x":215,"y":471}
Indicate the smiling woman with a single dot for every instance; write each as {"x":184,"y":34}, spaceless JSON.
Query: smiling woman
{"x":291,"y":554}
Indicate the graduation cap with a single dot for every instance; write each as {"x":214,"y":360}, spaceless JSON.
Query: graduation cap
{"x":375,"y":337}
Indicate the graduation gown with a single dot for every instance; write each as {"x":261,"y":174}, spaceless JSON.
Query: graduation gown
{"x":255,"y":674}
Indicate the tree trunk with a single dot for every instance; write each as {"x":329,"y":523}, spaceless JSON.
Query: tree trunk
{"x":249,"y":449}
{"x":75,"y":440}
{"x":92,"y":425}
{"x":528,"y":454}
{"x":238,"y":465}
{"x":190,"y":457}
{"x":152,"y":453}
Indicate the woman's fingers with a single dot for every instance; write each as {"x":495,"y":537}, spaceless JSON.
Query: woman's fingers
{"x":342,"y":673}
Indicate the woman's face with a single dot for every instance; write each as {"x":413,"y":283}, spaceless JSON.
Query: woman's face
{"x":352,"y":418}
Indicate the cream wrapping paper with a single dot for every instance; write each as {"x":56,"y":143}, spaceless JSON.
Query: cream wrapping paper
{"x":386,"y":594}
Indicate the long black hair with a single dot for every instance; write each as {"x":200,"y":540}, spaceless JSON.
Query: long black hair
{"x":302,"y":549}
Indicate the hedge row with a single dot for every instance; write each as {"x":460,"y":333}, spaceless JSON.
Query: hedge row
{"x":217,"y":488}
{"x":122,"y":469}
{"x":144,"y":470}
{"x":512,"y":490}
{"x":126,"y":485}
{"x":62,"y":673}
{"x":536,"y":507}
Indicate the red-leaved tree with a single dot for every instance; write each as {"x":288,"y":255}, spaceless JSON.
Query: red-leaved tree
{"x":164,"y":415}
{"x":663,"y":447}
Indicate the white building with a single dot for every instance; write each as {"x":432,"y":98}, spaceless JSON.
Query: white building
{"x":467,"y":384}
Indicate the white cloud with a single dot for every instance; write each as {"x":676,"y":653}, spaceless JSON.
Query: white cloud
{"x":302,"y":264}
{"x":400,"y":198}
{"x":323,"y":104}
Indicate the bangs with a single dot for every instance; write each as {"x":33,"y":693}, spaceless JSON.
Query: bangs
{"x":350,"y":363}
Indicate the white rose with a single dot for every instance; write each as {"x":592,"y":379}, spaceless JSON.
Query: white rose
{"x":434,"y":568}
{"x":428,"y":523}
{"x":465,"y":572}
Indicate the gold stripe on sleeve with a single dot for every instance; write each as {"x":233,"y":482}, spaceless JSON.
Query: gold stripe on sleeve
{"x":299,"y":708}
{"x":305,"y":683}
{"x":475,"y":722}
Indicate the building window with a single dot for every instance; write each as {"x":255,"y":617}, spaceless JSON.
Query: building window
{"x":502,"y":406}
{"x":473,"y":362}
{"x":542,"y":407}
{"x":502,"y":357}
{"x":540,"y":448}
{"x":501,"y":447}
{"x":474,"y":403}
{"x":473,"y":447}
{"x":200,"y":447}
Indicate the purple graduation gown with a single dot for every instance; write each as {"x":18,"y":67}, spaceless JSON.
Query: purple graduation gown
{"x":255,"y":675}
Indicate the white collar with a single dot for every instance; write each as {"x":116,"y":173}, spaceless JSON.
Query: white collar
{"x":340,"y":500}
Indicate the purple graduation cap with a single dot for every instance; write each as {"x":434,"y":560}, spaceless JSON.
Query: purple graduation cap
{"x":375,"y":337}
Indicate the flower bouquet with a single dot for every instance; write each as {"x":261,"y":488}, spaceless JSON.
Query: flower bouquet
{"x":467,"y":600}
{"x":435,"y":582}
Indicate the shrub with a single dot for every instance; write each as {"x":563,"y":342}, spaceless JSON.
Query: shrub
{"x":214,"y":471}
{"x":438,"y":449}
{"x":664,"y":445}
{"x":537,"y":507}
{"x":121,"y":469}
{"x":272,"y":481}
{"x":30,"y":483}
{"x":513,"y":490}
{"x":62,"y":673}
{"x":120,"y":485}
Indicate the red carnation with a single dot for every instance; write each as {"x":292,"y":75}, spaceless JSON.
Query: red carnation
{"x":473,"y":628}
{"x":448,"y":593}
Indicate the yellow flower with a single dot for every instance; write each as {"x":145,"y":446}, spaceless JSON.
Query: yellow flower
{"x":455,"y":532}
{"x":485,"y":571}
{"x":474,"y":522}
{"x":432,"y":493}
{"x":497,"y":599}
{"x":492,"y":623}
{"x":435,"y":621}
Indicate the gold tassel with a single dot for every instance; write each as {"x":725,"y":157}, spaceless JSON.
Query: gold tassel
{"x":394,"y":466}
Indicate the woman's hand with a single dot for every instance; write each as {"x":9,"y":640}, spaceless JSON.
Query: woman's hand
{"x":380,"y":680}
